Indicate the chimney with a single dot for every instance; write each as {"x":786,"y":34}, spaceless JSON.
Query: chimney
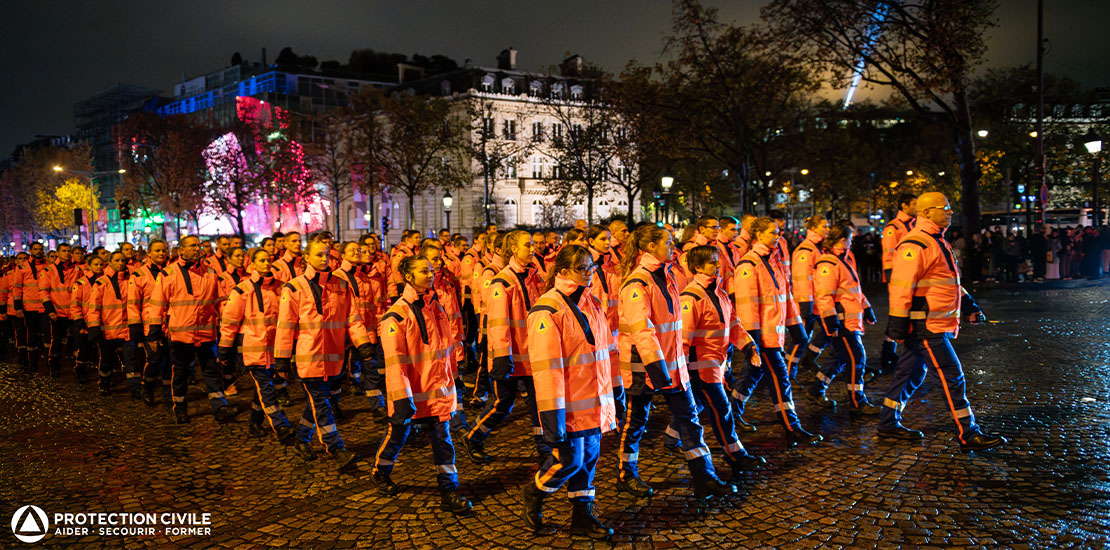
{"x":571,"y":66}
{"x":506,"y":60}
{"x":264,"y":58}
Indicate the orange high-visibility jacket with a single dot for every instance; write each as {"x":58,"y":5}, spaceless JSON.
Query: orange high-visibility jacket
{"x":925,"y":292}
{"x":228,"y":280}
{"x":56,"y":284}
{"x":709,"y":325}
{"x":140,"y":287}
{"x":420,"y":367}
{"x":288,"y":266}
{"x":79,"y":298}
{"x":449,"y":292}
{"x":650,"y":339}
{"x":743,"y":242}
{"x":396,"y":278}
{"x":801,"y":268}
{"x":363,"y":294}
{"x":217,"y":262}
{"x":763,"y":300}
{"x":605,"y":286}
{"x":377,"y":271}
{"x":784,"y":250}
{"x":481,"y":283}
{"x":317,"y":313}
{"x":687,"y":274}
{"x":893,"y":233}
{"x":108,"y":305}
{"x":471,"y":261}
{"x":26,"y":295}
{"x":5,"y":292}
{"x":840,"y":299}
{"x":184,"y":298}
{"x":251,"y":312}
{"x":571,"y":352}
{"x":510,"y":296}
{"x":334,"y":259}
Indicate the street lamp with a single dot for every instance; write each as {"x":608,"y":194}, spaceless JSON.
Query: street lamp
{"x":982,"y":133}
{"x":666,"y":181}
{"x":805,"y":171}
{"x":1093,"y":143}
{"x":91,"y":176}
{"x":448,"y":200}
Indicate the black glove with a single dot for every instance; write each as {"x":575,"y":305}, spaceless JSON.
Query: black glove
{"x":898,"y":328}
{"x":79,"y":325}
{"x":968,"y":305}
{"x":94,"y":333}
{"x":831,"y":323}
{"x":135,"y":331}
{"x":798,"y":333}
{"x":403,"y":410}
{"x":283,"y":364}
{"x":657,"y":373}
{"x":806,"y":309}
{"x":155,"y":333}
{"x":501,"y":368}
{"x":366,"y":352}
{"x":224,"y":355}
{"x":869,"y":316}
{"x":978,"y":318}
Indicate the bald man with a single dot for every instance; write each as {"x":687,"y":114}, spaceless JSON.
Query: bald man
{"x":927,"y":303}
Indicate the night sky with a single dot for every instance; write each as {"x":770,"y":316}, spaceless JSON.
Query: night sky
{"x":57,"y":53}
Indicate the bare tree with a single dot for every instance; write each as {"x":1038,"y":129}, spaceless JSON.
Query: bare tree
{"x":330,"y":156}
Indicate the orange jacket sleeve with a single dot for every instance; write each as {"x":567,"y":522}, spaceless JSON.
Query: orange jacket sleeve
{"x":288,"y":315}
{"x":154,"y":312}
{"x":356,"y":328}
{"x":499,"y":335}
{"x":908,"y":261}
{"x":232,"y":318}
{"x":746,"y":289}
{"x":825,"y":282}
{"x":96,"y":300}
{"x":634,"y":306}
{"x":398,"y":361}
{"x":689,"y":310}
{"x":545,"y":351}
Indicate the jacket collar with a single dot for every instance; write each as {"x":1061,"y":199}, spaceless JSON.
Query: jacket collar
{"x":699,"y":240}
{"x":649,"y":262}
{"x":565,"y":285}
{"x":927,"y":226}
{"x":313,"y":275}
{"x":346,"y":266}
{"x":516,"y":267}
{"x":704,"y":280}
{"x":813,"y":238}
{"x":905,"y":218}
{"x":411,"y":295}
{"x":761,"y":249}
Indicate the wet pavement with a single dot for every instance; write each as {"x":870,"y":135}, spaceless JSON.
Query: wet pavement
{"x":1038,"y":374}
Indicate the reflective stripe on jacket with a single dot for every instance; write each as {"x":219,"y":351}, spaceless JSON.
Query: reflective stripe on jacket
{"x":79,"y":299}
{"x":288,"y":266}
{"x":840,"y":299}
{"x":893,"y":234}
{"x":55,"y":285}
{"x":184,"y":299}
{"x":925,"y":292}
{"x":571,"y":350}
{"x":650,"y":338}
{"x":363,"y":294}
{"x":420,"y":364}
{"x":763,"y":300}
{"x":317,"y":313}
{"x":140,"y":287}
{"x":25,"y":286}
{"x":251,"y":312}
{"x":108,"y":305}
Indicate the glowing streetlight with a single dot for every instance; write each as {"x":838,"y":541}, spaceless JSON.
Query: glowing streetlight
{"x":983,"y":133}
{"x":805,"y":172}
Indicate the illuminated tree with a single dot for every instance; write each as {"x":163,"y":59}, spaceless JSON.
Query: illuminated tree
{"x":53,"y":209}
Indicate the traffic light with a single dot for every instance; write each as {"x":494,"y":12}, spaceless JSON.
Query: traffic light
{"x":77,"y":217}
{"x":125,"y":210}
{"x":385,"y":223}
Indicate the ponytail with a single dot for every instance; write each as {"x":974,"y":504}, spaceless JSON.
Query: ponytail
{"x":638,"y":242}
{"x":568,"y":258}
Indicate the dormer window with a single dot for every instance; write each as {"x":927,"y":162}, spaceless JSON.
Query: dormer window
{"x":487,"y":83}
{"x":576,"y":92}
{"x":508,"y":86}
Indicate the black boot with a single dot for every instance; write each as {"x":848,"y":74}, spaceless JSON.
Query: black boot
{"x":181,"y":417}
{"x":713,"y":488}
{"x":383,"y":483}
{"x":451,"y":501}
{"x":743,"y":426}
{"x":285,"y":433}
{"x":226,"y":413}
{"x":81,"y":373}
{"x":980,"y":442}
{"x":888,"y":358}
{"x":345,"y":458}
{"x":55,"y":368}
{"x":148,"y":396}
{"x":283,"y":398}
{"x":533,"y":506}
{"x":584,"y":523}
{"x":798,"y":436}
{"x":636,"y":487}
{"x":255,"y":429}
{"x":136,"y":393}
{"x":338,"y":413}
{"x":304,"y":450}
{"x":816,"y":393}
{"x":902,"y":433}
{"x":475,"y":451}
{"x":865,"y":408}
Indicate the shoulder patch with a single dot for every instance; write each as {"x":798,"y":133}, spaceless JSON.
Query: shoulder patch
{"x":637,"y":295}
{"x":542,"y":325}
{"x":889,"y":232}
{"x":824,"y":271}
{"x":802,"y":257}
{"x":746,"y":271}
{"x":685,"y":306}
{"x":908,"y":254}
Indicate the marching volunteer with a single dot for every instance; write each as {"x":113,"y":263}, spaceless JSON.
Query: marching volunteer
{"x":470,"y":262}
{"x":249,"y":323}
{"x":893,"y":233}
{"x":350,"y":271}
{"x":705,"y":233}
{"x":801,"y":267}
{"x":618,"y":230}
{"x":107,"y":324}
{"x":218,"y":260}
{"x":448,"y":292}
{"x":764,"y":305}
{"x":376,"y":269}
{"x":55,"y":285}
{"x":140,"y":287}
{"x":926,"y":305}
{"x":709,"y":329}
{"x":85,"y":348}
{"x":570,"y":348}
{"x":605,"y":286}
{"x":410,"y":239}
{"x":317,"y":313}
{"x":843,"y":309}
{"x":506,"y":302}
{"x":291,"y":262}
{"x":419,"y":372}
{"x":184,"y":299}
{"x":234,"y":273}
{"x":652,"y":362}
{"x":743,"y":240}
{"x":493,"y":263}
{"x":27,"y":301}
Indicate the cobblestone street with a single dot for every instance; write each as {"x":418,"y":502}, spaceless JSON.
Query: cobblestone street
{"x":1038,"y":373}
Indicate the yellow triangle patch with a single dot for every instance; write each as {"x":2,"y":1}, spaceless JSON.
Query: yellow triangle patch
{"x":908,"y":254}
{"x":802,"y":258}
{"x":542,"y":326}
{"x":686,"y":306}
{"x":392,"y":328}
{"x":636,"y":296}
{"x":745,"y":273}
{"x":497,"y":293}
{"x":824,"y":271}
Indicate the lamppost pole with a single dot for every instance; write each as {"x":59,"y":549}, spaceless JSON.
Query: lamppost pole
{"x":447,"y":202}
{"x":1093,"y":143}
{"x":666,"y":181}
